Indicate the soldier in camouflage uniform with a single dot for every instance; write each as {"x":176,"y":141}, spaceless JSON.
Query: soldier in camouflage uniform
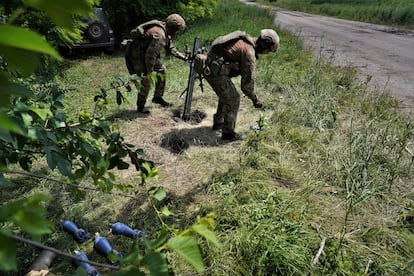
{"x":230,"y":56}
{"x":143,"y":55}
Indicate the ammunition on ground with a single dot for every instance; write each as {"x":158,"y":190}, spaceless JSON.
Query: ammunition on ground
{"x":78,"y":234}
{"x":119,"y":228}
{"x":90,"y":270}
{"x":103,"y":247}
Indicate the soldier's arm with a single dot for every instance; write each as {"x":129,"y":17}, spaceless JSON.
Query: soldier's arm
{"x":153,"y":51}
{"x":247,"y":72}
{"x":171,"y":49}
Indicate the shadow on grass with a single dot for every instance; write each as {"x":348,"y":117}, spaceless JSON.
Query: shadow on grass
{"x":179,"y":140}
{"x":126,"y":115}
{"x":146,"y":218}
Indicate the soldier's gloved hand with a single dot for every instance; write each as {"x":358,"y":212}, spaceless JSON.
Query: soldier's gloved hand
{"x":257,"y":103}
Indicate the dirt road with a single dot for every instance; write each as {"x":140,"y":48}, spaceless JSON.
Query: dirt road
{"x":383,"y":52}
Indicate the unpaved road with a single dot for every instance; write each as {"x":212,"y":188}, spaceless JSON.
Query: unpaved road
{"x":383,"y":52}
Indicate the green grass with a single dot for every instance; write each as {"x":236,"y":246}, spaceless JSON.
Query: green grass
{"x":387,"y":12}
{"x":335,"y":163}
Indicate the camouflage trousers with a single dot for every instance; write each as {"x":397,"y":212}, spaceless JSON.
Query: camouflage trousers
{"x":228,"y":103}
{"x":136,"y":65}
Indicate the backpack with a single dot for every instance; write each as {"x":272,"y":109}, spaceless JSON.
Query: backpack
{"x":139,"y":32}
{"x":221,"y":42}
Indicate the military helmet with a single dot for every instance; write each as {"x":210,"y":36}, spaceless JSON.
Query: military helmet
{"x":271,"y":38}
{"x":175,"y":23}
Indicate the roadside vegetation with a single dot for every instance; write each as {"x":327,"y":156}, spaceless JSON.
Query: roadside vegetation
{"x":386,"y":12}
{"x":322,"y":184}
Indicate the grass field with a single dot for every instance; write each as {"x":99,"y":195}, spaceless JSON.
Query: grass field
{"x":386,"y":12}
{"x":331,"y":172}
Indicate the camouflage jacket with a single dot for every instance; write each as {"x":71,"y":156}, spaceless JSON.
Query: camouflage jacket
{"x":238,"y":47}
{"x":149,"y":39}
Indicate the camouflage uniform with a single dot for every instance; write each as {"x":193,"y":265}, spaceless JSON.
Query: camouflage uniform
{"x":143,"y":56}
{"x":230,"y":56}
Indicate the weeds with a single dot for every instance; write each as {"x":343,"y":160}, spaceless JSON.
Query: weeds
{"x":386,"y":12}
{"x":334,"y":165}
{"x":333,"y":155}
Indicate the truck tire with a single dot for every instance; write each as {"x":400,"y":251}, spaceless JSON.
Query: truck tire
{"x":95,"y":31}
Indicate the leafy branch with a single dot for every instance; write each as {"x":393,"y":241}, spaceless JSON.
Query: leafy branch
{"x":33,"y":127}
{"x":58,"y":252}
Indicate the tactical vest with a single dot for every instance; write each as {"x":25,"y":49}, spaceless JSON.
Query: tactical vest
{"x":218,"y":63}
{"x":140,"y":31}
{"x":220,"y":44}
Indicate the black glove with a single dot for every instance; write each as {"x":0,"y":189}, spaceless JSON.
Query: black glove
{"x":257,"y":103}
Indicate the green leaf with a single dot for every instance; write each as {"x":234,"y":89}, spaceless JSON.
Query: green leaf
{"x":61,"y":11}
{"x":149,"y":170}
{"x":51,"y":161}
{"x":112,"y":256}
{"x":5,"y":135}
{"x":158,"y":242}
{"x":102,"y":164}
{"x":52,"y":136}
{"x":159,"y":194}
{"x":28,"y":213}
{"x":7,"y":125}
{"x":132,"y":255}
{"x":166,"y":212}
{"x":9,"y":88}
{"x":187,"y":248}
{"x":7,"y":253}
{"x":88,"y":148}
{"x":27,"y":118}
{"x":206,"y":233}
{"x":32,"y":222}
{"x":156,"y":263}
{"x":20,"y":38}
{"x":42,"y":112}
{"x":65,"y":167}
{"x":119,"y":97}
{"x":122,"y":165}
{"x":20,"y":60}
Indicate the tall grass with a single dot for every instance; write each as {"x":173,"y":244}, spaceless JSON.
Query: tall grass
{"x":387,"y":12}
{"x":333,"y":164}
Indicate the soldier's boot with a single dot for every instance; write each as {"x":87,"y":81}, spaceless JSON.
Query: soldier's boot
{"x":218,"y":122}
{"x":161,"y":101}
{"x":218,"y":126}
{"x":143,"y":110}
{"x":231,"y":136}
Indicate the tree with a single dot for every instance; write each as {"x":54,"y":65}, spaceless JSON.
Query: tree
{"x":32,"y":125}
{"x":127,"y":14}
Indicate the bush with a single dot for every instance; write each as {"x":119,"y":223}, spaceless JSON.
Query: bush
{"x":125,"y":15}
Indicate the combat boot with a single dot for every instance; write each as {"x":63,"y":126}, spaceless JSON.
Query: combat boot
{"x":143,"y":110}
{"x":218,"y":126}
{"x":160,"y":101}
{"x":231,"y":136}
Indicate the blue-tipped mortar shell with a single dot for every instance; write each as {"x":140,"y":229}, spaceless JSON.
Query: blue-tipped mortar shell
{"x":119,"y":228}
{"x":69,"y":227}
{"x":90,"y":270}
{"x":102,"y":246}
{"x":78,"y":234}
